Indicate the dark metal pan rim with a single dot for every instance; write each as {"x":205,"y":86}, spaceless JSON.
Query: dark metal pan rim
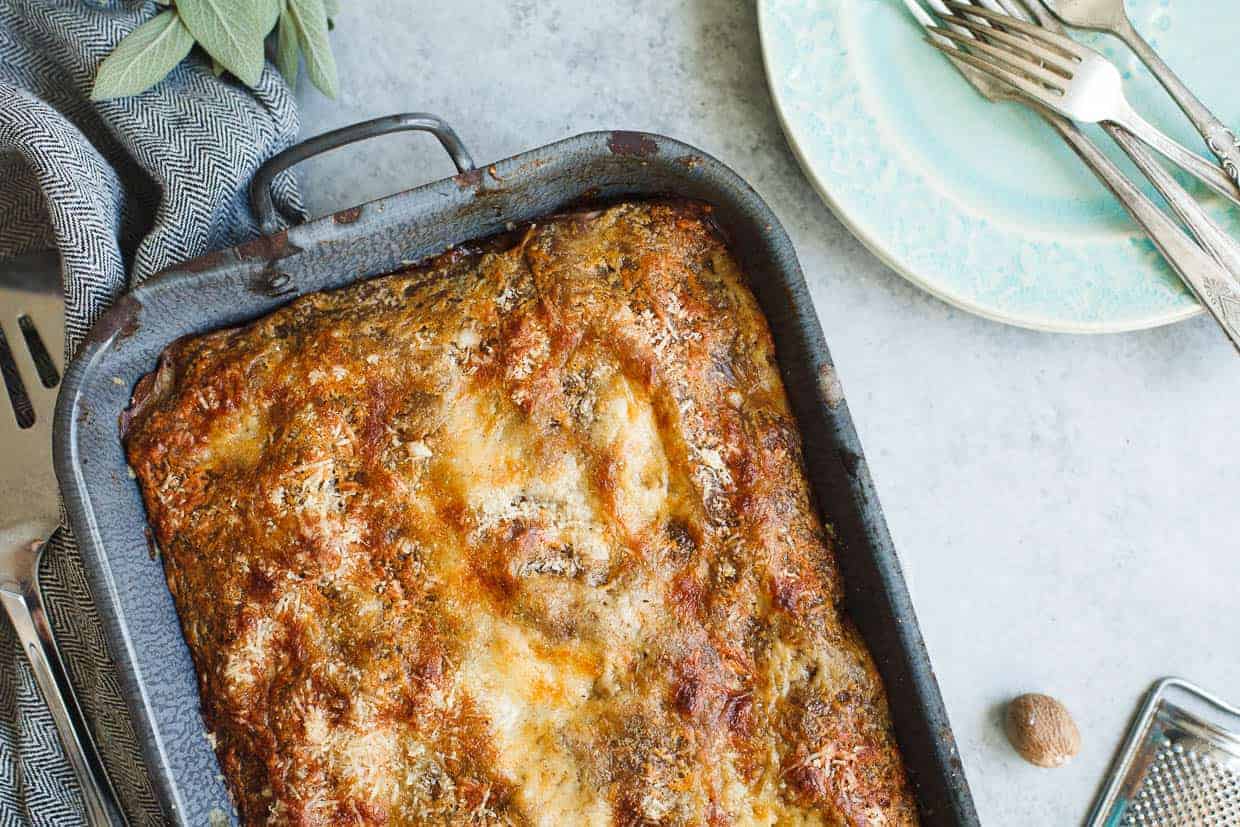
{"x":234,"y":286}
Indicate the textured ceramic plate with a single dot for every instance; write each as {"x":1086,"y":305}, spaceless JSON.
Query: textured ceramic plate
{"x":979,"y":203}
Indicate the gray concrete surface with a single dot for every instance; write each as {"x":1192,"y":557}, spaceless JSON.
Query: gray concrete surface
{"x":1065,"y":506}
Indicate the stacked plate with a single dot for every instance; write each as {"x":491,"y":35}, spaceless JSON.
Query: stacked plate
{"x":982,"y":204}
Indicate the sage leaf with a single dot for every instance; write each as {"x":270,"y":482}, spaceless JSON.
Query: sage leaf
{"x":230,"y":31}
{"x":271,"y":13}
{"x":144,"y":57}
{"x":217,"y":68}
{"x":311,"y":21}
{"x":288,"y":49}
{"x":331,"y":8}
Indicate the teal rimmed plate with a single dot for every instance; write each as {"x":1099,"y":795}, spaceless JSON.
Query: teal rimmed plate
{"x":981,"y":204}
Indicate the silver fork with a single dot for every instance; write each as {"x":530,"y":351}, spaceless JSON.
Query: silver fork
{"x":31,"y":331}
{"x":1009,"y":53}
{"x":1217,"y":288}
{"x":1111,"y":16}
{"x":1075,"y":81}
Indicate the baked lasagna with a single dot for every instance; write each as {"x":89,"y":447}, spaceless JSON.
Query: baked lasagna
{"x":517,"y":536}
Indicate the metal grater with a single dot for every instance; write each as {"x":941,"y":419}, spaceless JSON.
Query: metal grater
{"x":1180,"y":765}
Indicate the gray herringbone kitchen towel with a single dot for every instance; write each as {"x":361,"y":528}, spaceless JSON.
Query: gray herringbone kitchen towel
{"x":122,"y":189}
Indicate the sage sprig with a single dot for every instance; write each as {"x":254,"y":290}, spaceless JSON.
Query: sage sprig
{"x":309,"y":18}
{"x":233,"y":34}
{"x":145,"y":56}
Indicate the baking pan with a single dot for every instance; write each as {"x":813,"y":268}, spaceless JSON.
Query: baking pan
{"x":233,"y":286}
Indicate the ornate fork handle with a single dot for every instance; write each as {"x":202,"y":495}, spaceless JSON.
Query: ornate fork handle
{"x":1218,"y":288}
{"x":1221,"y":139}
{"x":1220,"y":294}
{"x":1223,"y":143}
{"x":1225,"y":297}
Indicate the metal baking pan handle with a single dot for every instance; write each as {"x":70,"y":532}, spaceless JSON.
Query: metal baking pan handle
{"x":260,"y":188}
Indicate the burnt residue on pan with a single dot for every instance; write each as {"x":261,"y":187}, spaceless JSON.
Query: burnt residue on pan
{"x":632,"y":143}
{"x":120,"y":321}
{"x":470,"y":179}
{"x":829,"y":386}
{"x":268,"y":248}
{"x":203,"y":262}
{"x":850,"y":461}
{"x":347,"y":216}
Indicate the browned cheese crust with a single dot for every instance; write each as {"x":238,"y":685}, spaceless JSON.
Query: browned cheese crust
{"x":521,"y":536}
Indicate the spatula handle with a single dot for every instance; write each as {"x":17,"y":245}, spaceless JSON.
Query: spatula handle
{"x":24,"y":607}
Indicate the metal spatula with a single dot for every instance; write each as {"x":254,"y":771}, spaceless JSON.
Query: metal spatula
{"x":31,"y":338}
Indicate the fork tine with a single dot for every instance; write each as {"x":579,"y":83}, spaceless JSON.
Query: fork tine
{"x":929,"y":20}
{"x":1065,"y":44}
{"x":1030,"y":53}
{"x":1001,"y":73}
{"x":1014,"y":61}
{"x":1005,"y":6}
{"x":919,"y":14}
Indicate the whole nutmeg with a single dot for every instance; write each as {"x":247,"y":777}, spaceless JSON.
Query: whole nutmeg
{"x":1041,"y":730}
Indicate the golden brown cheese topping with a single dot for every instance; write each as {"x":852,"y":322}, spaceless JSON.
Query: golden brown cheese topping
{"x":517,"y":537}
